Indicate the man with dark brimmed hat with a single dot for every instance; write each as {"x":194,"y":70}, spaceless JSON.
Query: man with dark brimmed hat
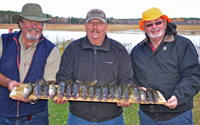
{"x":167,"y":62}
{"x":95,"y":57}
{"x":26,"y":56}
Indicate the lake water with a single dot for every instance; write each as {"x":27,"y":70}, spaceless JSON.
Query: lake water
{"x":128,"y":38}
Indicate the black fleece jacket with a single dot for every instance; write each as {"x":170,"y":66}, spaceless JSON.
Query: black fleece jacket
{"x":111,"y":62}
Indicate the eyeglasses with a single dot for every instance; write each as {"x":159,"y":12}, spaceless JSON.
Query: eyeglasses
{"x":151,"y":24}
{"x":91,"y":23}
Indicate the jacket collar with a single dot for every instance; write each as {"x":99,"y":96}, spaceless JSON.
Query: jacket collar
{"x":105,"y":46}
{"x":167,"y":38}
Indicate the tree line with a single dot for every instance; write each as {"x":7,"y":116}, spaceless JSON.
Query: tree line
{"x":6,"y":18}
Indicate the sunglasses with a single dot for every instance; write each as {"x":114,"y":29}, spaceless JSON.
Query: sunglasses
{"x":151,"y":24}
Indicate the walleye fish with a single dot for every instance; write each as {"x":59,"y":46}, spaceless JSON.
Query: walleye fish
{"x":91,"y":89}
{"x":111,"y":93}
{"x":75,"y":90}
{"x":104,"y":90}
{"x":83,"y":90}
{"x":52,"y":91}
{"x":155,"y":96}
{"x":68,"y":90}
{"x":45,"y":88}
{"x":37,"y":89}
{"x":118,"y":92}
{"x":143,"y":95}
{"x":98,"y":93}
{"x":125,"y":94}
{"x":28,"y":89}
{"x":134,"y":93}
{"x":61,"y":89}
{"x":150,"y":95}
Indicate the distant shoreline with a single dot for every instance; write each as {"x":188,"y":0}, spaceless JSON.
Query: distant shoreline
{"x":80,"y":27}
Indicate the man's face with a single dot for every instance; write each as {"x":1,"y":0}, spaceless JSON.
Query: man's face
{"x":95,"y":29}
{"x":31,"y":30}
{"x":155,"y":28}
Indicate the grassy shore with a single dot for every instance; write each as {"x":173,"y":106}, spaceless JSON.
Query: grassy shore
{"x":80,"y":27}
{"x":59,"y":113}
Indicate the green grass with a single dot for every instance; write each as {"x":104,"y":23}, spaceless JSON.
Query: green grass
{"x":196,"y":109}
{"x":59,"y":113}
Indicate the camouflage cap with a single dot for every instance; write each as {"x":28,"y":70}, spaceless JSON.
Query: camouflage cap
{"x":96,"y":14}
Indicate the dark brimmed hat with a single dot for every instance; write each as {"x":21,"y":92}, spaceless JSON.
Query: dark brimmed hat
{"x":30,"y":11}
{"x":96,"y":14}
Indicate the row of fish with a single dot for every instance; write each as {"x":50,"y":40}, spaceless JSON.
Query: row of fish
{"x":91,"y":90}
{"x":41,"y":88}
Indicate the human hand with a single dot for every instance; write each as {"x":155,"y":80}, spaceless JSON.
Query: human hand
{"x":11,"y":84}
{"x":59,"y":101}
{"x":23,"y":99}
{"x":172,"y":102}
{"x":123,"y":104}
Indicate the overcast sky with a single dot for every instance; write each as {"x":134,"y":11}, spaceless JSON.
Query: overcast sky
{"x":113,"y":8}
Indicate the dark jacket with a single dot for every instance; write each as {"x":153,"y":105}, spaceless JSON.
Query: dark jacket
{"x":110,"y":63}
{"x":10,"y":65}
{"x":173,"y":69}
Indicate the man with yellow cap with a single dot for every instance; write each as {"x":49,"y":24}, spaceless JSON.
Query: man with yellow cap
{"x":26,"y":56}
{"x":167,"y":62}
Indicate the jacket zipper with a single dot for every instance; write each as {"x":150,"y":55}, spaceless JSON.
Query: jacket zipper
{"x":94,"y":61}
{"x":95,"y":54}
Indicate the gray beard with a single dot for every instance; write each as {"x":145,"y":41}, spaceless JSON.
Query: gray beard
{"x":32,"y":37}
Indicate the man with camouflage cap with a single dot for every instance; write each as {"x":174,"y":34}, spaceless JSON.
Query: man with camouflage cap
{"x":167,"y":62}
{"x":95,"y":57}
{"x":26,"y":56}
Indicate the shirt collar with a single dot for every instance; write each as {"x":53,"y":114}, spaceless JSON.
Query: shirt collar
{"x":105,"y":46}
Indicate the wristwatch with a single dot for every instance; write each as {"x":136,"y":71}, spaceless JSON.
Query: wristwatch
{"x":34,"y":102}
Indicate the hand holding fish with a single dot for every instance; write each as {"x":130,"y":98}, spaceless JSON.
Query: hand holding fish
{"x":59,"y":101}
{"x":172,"y":102}
{"x":23,"y":99}
{"x":123,"y":104}
{"x":11,"y":84}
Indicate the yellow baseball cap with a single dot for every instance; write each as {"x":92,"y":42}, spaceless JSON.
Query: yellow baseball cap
{"x":152,"y":14}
